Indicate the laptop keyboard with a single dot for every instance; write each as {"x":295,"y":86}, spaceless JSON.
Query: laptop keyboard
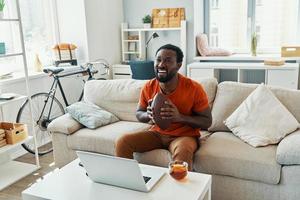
{"x":146,"y":179}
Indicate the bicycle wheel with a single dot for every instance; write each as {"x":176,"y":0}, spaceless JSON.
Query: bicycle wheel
{"x":44,"y":141}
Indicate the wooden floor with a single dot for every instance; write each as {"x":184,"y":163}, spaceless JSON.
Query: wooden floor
{"x":13,"y":192}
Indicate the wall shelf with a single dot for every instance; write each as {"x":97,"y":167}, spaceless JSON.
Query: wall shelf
{"x":11,"y":171}
{"x":10,"y":55}
{"x":136,"y":49}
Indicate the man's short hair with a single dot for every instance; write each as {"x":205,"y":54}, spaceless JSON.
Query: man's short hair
{"x":179,"y":53}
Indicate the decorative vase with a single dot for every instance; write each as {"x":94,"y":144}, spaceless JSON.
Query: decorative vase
{"x":147,"y":25}
{"x":38,"y":64}
{"x":1,"y":14}
{"x":253,"y":44}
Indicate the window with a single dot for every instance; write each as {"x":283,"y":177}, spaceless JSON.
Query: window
{"x":38,"y":31}
{"x":234,"y":21}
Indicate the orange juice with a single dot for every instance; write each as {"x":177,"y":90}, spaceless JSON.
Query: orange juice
{"x":178,"y":170}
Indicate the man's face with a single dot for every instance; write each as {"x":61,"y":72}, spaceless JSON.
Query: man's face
{"x":166,"y":66}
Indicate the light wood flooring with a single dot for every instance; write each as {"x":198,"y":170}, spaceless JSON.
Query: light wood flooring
{"x":13,"y":192}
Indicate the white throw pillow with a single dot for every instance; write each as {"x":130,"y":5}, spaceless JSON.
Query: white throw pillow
{"x":261,"y":119}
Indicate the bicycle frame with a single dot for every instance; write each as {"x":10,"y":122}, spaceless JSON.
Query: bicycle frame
{"x":52,"y":92}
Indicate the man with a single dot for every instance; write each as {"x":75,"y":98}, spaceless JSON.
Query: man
{"x":187,"y":108}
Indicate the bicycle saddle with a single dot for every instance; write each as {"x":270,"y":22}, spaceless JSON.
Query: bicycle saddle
{"x":53,"y":70}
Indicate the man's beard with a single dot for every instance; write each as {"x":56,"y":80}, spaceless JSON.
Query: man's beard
{"x":166,"y":78}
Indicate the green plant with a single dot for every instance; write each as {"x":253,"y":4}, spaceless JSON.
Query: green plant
{"x":2,"y":4}
{"x":253,"y":44}
{"x":147,"y":19}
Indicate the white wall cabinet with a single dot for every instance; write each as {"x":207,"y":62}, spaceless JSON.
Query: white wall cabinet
{"x":284,"y":76}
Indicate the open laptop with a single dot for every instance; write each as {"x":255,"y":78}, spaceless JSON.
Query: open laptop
{"x":120,"y":172}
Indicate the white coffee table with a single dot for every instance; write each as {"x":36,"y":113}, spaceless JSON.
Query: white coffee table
{"x":71,"y":183}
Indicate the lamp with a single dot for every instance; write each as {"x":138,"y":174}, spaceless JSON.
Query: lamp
{"x":153,"y":36}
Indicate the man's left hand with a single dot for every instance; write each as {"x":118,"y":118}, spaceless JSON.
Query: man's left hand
{"x":171,"y":112}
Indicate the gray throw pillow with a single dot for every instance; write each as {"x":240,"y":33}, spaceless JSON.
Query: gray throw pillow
{"x":90,"y":115}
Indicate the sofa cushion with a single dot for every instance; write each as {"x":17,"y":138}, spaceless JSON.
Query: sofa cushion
{"x":119,"y":97}
{"x":210,"y":87}
{"x":231,"y":94}
{"x":288,"y":150}
{"x":261,"y":119}
{"x":102,"y":139}
{"x":225,"y":154}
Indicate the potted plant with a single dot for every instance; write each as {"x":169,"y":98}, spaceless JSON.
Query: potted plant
{"x":147,"y":21}
{"x":2,"y":4}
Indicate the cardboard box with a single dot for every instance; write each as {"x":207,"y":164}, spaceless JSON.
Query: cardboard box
{"x":2,"y":143}
{"x":290,"y":51}
{"x":167,"y":17}
{"x":160,"y":18}
{"x":14,"y":132}
{"x":175,"y":16}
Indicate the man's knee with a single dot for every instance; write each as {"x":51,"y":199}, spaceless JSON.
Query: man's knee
{"x":123,"y":141}
{"x":185,"y":145}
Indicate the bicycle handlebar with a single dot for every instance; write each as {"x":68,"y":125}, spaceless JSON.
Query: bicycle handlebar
{"x":87,"y":68}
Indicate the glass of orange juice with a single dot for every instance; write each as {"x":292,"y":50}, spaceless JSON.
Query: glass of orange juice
{"x":178,"y":169}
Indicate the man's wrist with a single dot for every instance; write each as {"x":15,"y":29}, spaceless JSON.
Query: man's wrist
{"x":181,"y":118}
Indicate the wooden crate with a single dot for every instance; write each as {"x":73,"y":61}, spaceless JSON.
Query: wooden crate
{"x":2,"y":138}
{"x":175,"y":16}
{"x":290,"y":51}
{"x":14,"y":132}
{"x":160,"y":18}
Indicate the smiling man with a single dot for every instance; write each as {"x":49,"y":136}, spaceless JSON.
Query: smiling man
{"x":187,"y":108}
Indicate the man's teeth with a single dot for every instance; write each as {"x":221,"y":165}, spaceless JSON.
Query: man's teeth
{"x":161,"y":71}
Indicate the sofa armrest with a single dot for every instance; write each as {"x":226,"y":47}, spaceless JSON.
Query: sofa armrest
{"x":288,"y":150}
{"x":64,"y":124}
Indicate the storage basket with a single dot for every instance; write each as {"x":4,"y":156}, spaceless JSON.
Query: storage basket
{"x":14,"y":132}
{"x":290,"y":51}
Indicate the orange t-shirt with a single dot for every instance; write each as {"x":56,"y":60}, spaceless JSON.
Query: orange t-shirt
{"x":189,"y":96}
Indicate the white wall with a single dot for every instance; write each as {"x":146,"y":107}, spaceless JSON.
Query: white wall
{"x":103,"y":19}
{"x":72,"y":26}
{"x":135,"y":10}
{"x":93,"y":25}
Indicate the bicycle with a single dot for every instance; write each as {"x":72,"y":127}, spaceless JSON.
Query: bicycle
{"x":46,"y":107}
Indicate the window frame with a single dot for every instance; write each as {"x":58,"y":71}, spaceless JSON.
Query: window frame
{"x":250,"y":25}
{"x":15,"y":33}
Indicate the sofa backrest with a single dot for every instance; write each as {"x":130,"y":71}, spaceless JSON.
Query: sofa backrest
{"x":231,"y":94}
{"x":121,"y":96}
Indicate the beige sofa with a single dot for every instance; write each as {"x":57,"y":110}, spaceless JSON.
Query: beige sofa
{"x":239,"y":170}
